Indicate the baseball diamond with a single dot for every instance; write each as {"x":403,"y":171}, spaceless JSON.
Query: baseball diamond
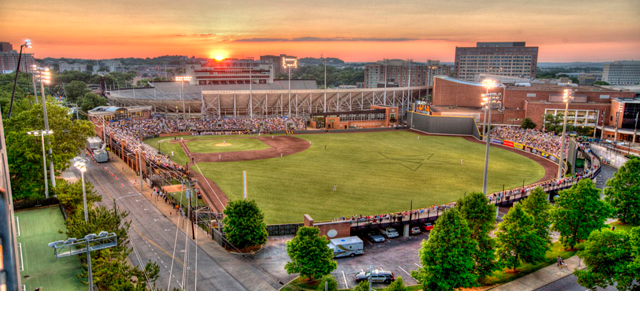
{"x":373,"y":172}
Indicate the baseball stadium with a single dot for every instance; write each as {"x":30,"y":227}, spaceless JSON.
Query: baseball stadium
{"x":361,"y":158}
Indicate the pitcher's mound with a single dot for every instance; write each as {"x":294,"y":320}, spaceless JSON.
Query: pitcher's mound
{"x":223,"y":144}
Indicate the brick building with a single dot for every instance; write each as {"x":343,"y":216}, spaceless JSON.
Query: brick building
{"x":532,"y":101}
{"x":401,"y":73}
{"x":498,"y":58}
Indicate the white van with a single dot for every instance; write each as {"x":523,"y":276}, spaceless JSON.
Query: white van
{"x":347,"y":246}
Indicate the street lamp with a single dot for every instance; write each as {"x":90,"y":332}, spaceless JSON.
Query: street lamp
{"x":566,"y":98}
{"x":44,"y":75}
{"x":81,"y":165}
{"x":41,"y":134}
{"x":288,"y":63}
{"x":183,"y":79}
{"x":27,"y":43}
{"x":487,"y":83}
{"x":489,"y":100}
{"x":91,"y":242}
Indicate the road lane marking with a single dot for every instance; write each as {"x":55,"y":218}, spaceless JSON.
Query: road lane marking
{"x":409,"y":274}
{"x":345,"y":280}
{"x":417,"y":265}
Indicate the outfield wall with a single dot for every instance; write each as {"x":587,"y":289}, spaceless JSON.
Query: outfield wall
{"x":443,"y":125}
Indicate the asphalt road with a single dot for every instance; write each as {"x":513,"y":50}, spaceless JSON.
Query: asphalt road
{"x":569,"y":283}
{"x":153,"y":237}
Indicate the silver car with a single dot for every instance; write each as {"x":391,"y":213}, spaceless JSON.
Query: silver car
{"x":374,"y":237}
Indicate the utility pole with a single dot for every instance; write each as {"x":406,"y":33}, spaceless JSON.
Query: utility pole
{"x":325,"y":83}
{"x":567,"y":97}
{"x":370,"y":274}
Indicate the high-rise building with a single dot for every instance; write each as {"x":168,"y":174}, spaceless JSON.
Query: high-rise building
{"x":398,"y":72}
{"x":64,"y":66}
{"x":9,"y":59}
{"x":622,"y":73}
{"x":512,"y":59}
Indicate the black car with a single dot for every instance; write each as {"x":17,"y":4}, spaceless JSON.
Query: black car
{"x":378,"y":276}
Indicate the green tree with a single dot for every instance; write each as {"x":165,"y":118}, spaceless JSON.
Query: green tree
{"x":397,"y":286}
{"x":310,"y":256}
{"x":600,"y":83}
{"x":612,"y":259}
{"x":244,"y":224}
{"x":528,"y":123}
{"x":624,"y":192}
{"x":578,"y":212}
{"x":447,"y":257}
{"x":539,"y":208}
{"x":363,"y":286}
{"x":333,"y":283}
{"x":480,"y":215}
{"x":24,"y":152}
{"x":517,"y":239}
{"x":91,"y":100}
{"x":553,"y":123}
{"x":110,"y":267}
{"x":70,"y":195}
{"x":75,"y":90}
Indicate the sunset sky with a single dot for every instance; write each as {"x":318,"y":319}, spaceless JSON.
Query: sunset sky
{"x":353,"y":30}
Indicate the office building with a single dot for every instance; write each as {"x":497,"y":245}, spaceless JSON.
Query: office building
{"x":512,"y":59}
{"x":401,"y":73}
{"x":9,"y":59}
{"x":622,"y":73}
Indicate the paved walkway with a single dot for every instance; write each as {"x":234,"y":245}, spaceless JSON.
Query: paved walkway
{"x":542,"y":277}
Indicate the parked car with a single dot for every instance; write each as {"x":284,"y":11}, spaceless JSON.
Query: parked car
{"x":378,"y":276}
{"x":415,"y":230}
{"x":389,"y":232}
{"x":428,"y":227}
{"x":375,"y":237}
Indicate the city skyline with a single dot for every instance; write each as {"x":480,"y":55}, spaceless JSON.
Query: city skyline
{"x":372,"y":30}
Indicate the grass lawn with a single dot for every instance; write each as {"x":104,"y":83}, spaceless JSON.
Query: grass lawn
{"x":622,"y":227}
{"x":41,"y":268}
{"x":176,"y":195}
{"x":375,"y":173}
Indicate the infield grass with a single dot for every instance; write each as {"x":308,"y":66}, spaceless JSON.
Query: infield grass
{"x":374,"y":173}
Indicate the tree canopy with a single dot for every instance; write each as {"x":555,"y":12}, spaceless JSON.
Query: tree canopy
{"x":75,"y":90}
{"x":480,"y":215}
{"x":244,"y":224}
{"x":91,"y":100}
{"x":447,"y":256}
{"x":578,"y":212}
{"x":539,"y":208}
{"x":517,"y":240}
{"x":310,"y":256}
{"x":528,"y":123}
{"x":624,"y":192}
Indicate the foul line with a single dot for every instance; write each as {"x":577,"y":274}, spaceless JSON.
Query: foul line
{"x":210,"y":187}
{"x":21,"y":260}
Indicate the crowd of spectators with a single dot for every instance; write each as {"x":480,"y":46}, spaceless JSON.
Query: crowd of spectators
{"x":547,"y":142}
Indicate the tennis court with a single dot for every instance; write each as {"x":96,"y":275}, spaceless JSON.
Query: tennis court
{"x":40,"y":268}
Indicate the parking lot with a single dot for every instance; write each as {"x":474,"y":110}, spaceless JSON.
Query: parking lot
{"x":398,"y":255}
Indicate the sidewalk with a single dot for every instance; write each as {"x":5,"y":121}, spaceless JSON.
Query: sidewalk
{"x":542,"y":277}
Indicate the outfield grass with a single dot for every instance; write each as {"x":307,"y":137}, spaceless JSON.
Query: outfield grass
{"x":375,"y":173}
{"x":41,"y":268}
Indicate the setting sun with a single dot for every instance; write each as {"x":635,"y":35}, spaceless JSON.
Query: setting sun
{"x":219,"y":58}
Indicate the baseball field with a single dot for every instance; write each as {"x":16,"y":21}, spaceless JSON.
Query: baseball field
{"x":372,"y":173}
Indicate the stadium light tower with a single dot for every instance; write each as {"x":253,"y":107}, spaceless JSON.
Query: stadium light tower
{"x":27,"y":43}
{"x":91,"y":242}
{"x":44,"y":75}
{"x":489,"y":100}
{"x":567,"y":97}
{"x":183,"y":79}
{"x":81,"y":165}
{"x":288,"y":63}
{"x":41,"y":134}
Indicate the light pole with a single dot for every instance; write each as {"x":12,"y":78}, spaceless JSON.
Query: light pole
{"x":487,"y":83}
{"x":91,"y":242}
{"x":489,"y":100}
{"x":288,"y":63}
{"x":635,"y":129}
{"x":81,"y":165}
{"x":115,"y":206}
{"x":27,"y":43}
{"x":385,"y":81}
{"x":41,"y":134}
{"x":33,"y":81}
{"x":615,"y":134}
{"x":325,"y":84}
{"x":183,"y":79}
{"x":45,"y":78}
{"x":566,"y":97}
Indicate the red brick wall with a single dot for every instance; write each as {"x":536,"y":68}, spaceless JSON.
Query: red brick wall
{"x":343,"y":229}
